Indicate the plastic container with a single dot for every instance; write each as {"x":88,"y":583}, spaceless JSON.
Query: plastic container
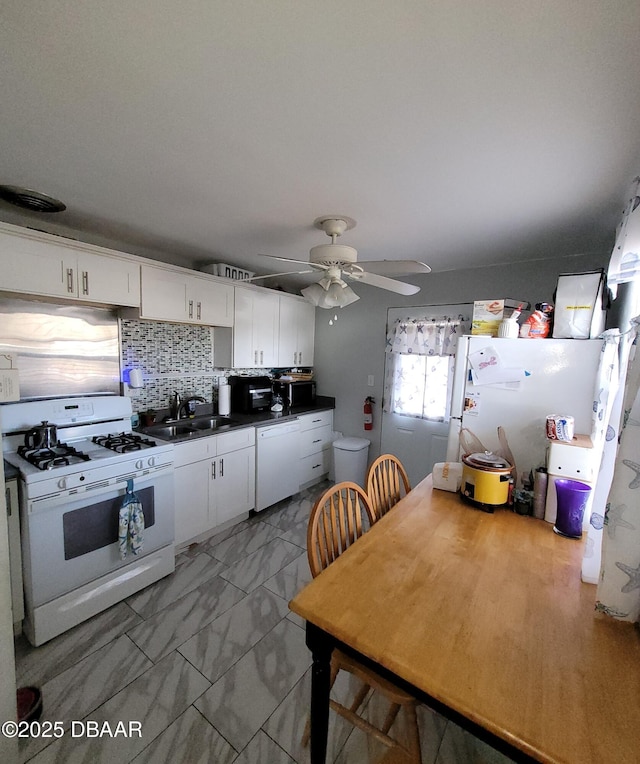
{"x":350,"y":458}
{"x":509,"y":328}
{"x":572,"y":501}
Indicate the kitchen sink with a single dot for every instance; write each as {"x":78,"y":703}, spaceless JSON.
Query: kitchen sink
{"x":212,"y":423}
{"x":189,"y":428}
{"x":170,"y":431}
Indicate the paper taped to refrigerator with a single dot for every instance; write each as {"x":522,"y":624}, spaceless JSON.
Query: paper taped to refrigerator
{"x":487,"y":368}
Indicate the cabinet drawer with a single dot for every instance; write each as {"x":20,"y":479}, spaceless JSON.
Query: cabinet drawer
{"x":235,"y":440}
{"x":193,"y":451}
{"x":314,"y":467}
{"x":312,"y":441}
{"x":322,"y":418}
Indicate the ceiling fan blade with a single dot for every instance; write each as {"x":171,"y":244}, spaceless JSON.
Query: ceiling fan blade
{"x":400,"y":287}
{"x":394,"y":267}
{"x":304,"y":263}
{"x":285,"y":273}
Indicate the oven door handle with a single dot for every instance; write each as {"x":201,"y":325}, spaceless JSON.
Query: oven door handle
{"x":115,"y":486}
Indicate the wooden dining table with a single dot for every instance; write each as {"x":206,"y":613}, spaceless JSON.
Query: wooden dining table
{"x":483,"y":617}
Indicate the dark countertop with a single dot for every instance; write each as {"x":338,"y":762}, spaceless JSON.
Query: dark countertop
{"x":10,"y":472}
{"x":323,"y":403}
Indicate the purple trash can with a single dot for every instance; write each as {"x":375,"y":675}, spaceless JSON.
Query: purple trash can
{"x":572,"y":501}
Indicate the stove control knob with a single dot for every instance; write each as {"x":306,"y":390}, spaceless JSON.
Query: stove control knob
{"x":139,"y":464}
{"x":62,"y":484}
{"x":151,"y":461}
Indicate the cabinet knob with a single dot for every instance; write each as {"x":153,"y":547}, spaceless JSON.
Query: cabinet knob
{"x":70,"y":280}
{"x":85,"y":282}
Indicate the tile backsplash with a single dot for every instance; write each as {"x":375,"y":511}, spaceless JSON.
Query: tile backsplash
{"x":172,"y":357}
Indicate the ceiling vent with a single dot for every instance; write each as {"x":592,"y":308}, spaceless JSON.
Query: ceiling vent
{"x":30,"y":200}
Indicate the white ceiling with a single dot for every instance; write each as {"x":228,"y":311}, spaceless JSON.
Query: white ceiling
{"x":457,"y":133}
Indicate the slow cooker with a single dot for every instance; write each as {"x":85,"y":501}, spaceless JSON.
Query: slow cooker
{"x":485,"y":480}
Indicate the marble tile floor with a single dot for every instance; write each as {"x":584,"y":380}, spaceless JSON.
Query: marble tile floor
{"x":211,"y":663}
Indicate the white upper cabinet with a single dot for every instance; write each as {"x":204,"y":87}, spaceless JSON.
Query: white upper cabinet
{"x":172,"y":295}
{"x":297,"y":326}
{"x":36,"y":263}
{"x":255,"y":334}
{"x":213,"y":301}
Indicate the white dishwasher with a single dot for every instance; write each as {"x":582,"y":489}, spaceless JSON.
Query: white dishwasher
{"x":277,"y":462}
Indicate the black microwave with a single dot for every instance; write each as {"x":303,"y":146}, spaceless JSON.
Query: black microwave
{"x":296,"y":393}
{"x":250,"y":394}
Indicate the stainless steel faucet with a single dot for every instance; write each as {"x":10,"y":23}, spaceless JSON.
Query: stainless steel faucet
{"x":174,"y":407}
{"x":182,"y":406}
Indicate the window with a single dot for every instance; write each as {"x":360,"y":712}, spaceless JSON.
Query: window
{"x":420,"y":363}
{"x":422,"y":386}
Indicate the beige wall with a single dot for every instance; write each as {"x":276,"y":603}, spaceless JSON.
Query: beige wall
{"x":353,"y":348}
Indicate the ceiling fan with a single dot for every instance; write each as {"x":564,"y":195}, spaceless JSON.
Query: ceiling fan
{"x":338,"y":261}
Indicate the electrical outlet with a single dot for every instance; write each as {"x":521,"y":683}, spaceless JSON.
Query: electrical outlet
{"x":370,"y":380}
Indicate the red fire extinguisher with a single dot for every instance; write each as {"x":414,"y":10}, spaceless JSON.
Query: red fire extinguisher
{"x":368,"y":413}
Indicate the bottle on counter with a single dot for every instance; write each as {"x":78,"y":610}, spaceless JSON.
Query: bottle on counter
{"x":539,"y":492}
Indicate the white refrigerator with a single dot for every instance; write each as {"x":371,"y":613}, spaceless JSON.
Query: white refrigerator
{"x":516,"y":384}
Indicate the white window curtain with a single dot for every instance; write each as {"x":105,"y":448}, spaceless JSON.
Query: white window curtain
{"x":624,"y":265}
{"x":420,"y":360}
{"x":607,"y":402}
{"x":619,"y":586}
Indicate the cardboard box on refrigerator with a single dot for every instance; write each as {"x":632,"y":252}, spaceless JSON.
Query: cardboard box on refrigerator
{"x":9,"y":378}
{"x":487,"y":314}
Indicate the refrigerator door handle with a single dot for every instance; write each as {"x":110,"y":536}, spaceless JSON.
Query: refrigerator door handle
{"x":459,"y":377}
{"x":456,"y":407}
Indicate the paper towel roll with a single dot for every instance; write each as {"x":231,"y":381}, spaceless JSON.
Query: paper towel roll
{"x":224,"y":400}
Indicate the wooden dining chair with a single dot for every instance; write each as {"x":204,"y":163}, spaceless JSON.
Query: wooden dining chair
{"x":387,"y":482}
{"x":339,"y":517}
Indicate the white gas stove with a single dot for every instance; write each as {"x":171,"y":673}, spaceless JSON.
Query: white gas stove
{"x":71,"y":494}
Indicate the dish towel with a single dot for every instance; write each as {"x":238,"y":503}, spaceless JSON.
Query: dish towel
{"x":130,"y":523}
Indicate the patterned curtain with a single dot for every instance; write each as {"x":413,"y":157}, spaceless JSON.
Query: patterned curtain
{"x":420,"y":338}
{"x":424,"y":336}
{"x":619,"y":587}
{"x":606,"y":409}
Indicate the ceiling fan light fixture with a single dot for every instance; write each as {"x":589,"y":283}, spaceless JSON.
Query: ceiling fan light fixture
{"x":314,"y":294}
{"x":346,"y":296}
{"x":333,"y":296}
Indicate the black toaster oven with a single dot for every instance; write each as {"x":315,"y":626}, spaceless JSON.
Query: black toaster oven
{"x":250,"y":394}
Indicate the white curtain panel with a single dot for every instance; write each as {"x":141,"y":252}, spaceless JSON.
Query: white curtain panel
{"x":624,"y":264}
{"x":619,"y":587}
{"x":607,"y":406}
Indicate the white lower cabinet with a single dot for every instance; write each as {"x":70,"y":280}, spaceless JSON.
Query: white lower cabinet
{"x":214,"y":481}
{"x":316,"y":436}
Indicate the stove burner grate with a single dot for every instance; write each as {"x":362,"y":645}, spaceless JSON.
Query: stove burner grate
{"x":60,"y":455}
{"x":123,"y":443}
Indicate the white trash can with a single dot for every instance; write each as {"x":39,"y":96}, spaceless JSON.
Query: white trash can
{"x":350,"y":457}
